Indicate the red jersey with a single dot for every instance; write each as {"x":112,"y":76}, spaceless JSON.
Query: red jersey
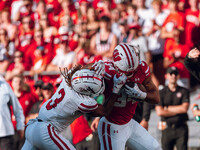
{"x":192,"y":30}
{"x":181,"y":51}
{"x":173,"y":21}
{"x":25,"y":40}
{"x":124,"y":107}
{"x":4,"y":4}
{"x":27,"y":99}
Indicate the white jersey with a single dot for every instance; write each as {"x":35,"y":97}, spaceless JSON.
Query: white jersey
{"x":65,"y":106}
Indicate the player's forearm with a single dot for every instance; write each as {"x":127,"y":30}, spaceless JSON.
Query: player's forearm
{"x":153,"y":97}
{"x":109,"y":103}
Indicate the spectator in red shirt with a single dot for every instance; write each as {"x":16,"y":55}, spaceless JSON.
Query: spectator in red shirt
{"x":192,"y":28}
{"x":5,"y":4}
{"x":106,"y":9}
{"x":175,"y":58}
{"x":6,"y":24}
{"x":36,"y":107}
{"x":66,"y":17}
{"x":30,"y":55}
{"x":23,"y":93}
{"x":173,"y":26}
{"x":82,"y":11}
{"x":42,"y":10}
{"x":26,"y":99}
{"x":53,"y":6}
{"x":40,"y":61}
{"x":25,"y":34}
{"x":17,"y":67}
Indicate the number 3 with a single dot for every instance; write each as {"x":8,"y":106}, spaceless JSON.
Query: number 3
{"x":56,"y":101}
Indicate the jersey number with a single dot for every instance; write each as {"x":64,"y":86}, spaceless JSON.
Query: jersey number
{"x":51,"y":105}
{"x":123,"y":99}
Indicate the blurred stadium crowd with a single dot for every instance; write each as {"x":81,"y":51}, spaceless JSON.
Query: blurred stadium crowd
{"x":38,"y":36}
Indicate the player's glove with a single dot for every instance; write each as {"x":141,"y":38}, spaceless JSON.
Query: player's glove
{"x":118,"y":83}
{"x":99,"y":67}
{"x":135,"y":92}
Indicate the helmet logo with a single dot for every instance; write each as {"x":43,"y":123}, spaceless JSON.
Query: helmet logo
{"x":82,"y":90}
{"x":116,"y":56}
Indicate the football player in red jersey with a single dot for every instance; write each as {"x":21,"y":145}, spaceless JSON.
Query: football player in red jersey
{"x":118,"y":128}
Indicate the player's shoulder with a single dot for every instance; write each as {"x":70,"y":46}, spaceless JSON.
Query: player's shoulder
{"x":144,"y":68}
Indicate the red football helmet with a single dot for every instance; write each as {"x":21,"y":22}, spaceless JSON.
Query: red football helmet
{"x":126,"y":58}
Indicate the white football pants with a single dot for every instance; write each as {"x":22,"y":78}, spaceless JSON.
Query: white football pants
{"x":42,"y":135}
{"x":132,"y":134}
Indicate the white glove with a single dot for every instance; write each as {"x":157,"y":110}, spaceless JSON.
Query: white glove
{"x":118,"y":83}
{"x":135,"y":92}
{"x":99,"y":67}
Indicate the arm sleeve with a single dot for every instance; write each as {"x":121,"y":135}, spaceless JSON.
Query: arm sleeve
{"x":17,"y":110}
{"x":193,"y":67}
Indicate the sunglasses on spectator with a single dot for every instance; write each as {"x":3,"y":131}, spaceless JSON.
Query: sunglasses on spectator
{"x":175,"y":73}
{"x":37,"y":87}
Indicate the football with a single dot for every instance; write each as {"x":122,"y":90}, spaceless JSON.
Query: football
{"x":141,"y":87}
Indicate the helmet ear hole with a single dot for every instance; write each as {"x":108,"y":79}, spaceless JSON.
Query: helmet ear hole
{"x":87,"y":82}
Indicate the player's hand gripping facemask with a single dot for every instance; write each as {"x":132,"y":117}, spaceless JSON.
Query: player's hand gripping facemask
{"x":118,"y":83}
{"x":99,"y":67}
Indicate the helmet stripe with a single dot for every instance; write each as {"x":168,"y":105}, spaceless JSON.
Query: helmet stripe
{"x":126,"y":54}
{"x":130,"y":63}
{"x":87,"y":77}
{"x":130,"y":55}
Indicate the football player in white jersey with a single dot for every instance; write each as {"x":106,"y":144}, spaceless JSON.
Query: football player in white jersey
{"x":74,"y":96}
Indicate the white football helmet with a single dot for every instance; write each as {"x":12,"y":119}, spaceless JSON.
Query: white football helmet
{"x":87,"y":82}
{"x":126,"y":58}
